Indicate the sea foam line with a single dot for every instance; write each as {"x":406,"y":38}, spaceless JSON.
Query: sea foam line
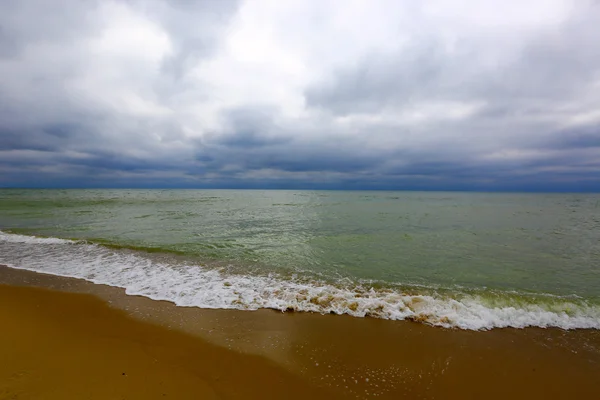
{"x":198,"y":286}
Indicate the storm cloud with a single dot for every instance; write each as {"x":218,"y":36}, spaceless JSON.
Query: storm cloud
{"x":433,"y":95}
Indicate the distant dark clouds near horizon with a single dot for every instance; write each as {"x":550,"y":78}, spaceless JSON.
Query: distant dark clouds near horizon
{"x":440,"y":95}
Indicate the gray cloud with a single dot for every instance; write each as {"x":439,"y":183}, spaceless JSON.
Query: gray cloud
{"x":245,"y":93}
{"x":534,"y":74}
{"x":194,"y":28}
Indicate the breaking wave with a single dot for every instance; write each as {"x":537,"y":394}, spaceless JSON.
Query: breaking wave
{"x":209,"y":287}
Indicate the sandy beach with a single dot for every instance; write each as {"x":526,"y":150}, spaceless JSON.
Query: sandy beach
{"x":312,"y":200}
{"x":73,"y":346}
{"x":67,"y":338}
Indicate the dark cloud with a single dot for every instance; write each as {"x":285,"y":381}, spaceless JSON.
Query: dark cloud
{"x":382,"y":79}
{"x":240,"y":94}
{"x":248,"y":128}
{"x":580,"y":138}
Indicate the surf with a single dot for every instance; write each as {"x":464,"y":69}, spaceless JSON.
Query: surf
{"x":196,"y":285}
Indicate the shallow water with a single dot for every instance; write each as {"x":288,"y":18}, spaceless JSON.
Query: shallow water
{"x":469,"y":260}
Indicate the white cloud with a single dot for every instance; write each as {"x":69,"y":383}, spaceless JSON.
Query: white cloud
{"x":374,"y":86}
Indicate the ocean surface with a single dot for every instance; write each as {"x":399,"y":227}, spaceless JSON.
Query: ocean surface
{"x":464,"y":260}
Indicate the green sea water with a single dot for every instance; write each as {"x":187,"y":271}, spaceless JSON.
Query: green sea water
{"x":514,"y":246}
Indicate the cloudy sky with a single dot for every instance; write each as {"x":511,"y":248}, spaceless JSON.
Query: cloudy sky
{"x":441,"y":94}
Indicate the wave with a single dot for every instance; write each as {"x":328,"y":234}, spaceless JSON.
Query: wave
{"x":207,"y":287}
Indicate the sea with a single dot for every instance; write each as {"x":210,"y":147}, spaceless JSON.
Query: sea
{"x":464,"y":260}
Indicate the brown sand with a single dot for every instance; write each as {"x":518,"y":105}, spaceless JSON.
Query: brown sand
{"x":72,"y":346}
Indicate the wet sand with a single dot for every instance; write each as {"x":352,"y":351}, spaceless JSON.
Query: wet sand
{"x":73,"y":346}
{"x":67,"y":338}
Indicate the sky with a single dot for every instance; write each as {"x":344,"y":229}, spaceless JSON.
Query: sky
{"x":307,"y":94}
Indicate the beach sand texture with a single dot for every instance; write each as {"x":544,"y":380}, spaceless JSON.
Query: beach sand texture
{"x":73,"y":346}
{"x":107,"y":345}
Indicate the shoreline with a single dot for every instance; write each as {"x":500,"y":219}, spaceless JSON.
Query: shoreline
{"x":68,"y":345}
{"x":207,"y":285}
{"x":323,"y":356}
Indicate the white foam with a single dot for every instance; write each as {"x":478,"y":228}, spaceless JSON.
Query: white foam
{"x":198,"y":286}
{"x":15,"y":238}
